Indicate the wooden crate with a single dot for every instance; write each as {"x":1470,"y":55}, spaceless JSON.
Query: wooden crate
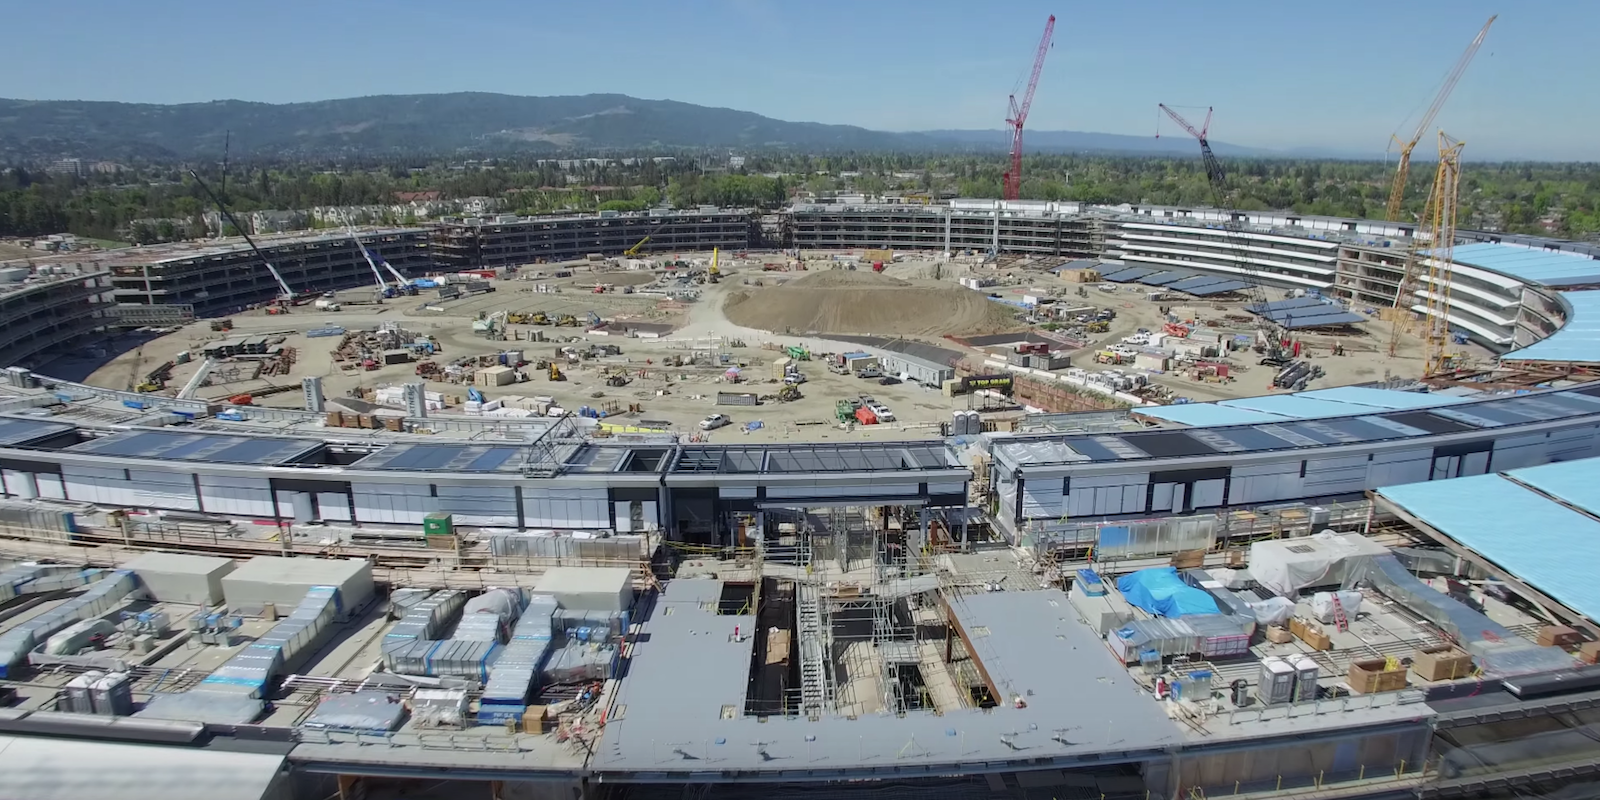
{"x":1310,"y":632}
{"x":1373,"y":675}
{"x":1441,"y":663}
{"x":1559,"y":636}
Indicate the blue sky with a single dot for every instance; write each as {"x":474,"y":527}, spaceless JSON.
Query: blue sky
{"x":1282,"y":73}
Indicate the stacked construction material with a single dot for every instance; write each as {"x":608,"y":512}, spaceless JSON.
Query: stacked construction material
{"x":96,"y":601}
{"x":505,"y":696}
{"x":251,"y":670}
{"x":360,"y":712}
{"x":471,"y":650}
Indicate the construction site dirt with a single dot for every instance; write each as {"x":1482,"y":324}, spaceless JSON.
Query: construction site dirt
{"x":696,"y":335}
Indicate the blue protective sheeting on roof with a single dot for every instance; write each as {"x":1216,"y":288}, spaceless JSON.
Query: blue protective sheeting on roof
{"x":1381,"y":398}
{"x":1160,"y":591}
{"x":1541,"y":542}
{"x":1295,"y":406}
{"x":1578,"y":340}
{"x":1546,"y":267}
{"x":1206,"y":415}
{"x":1576,"y":483}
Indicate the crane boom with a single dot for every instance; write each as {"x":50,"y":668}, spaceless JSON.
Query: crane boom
{"x":376,"y":275}
{"x":283,"y":286}
{"x":1397,"y":191}
{"x":1217,"y":177}
{"x":1012,"y":183}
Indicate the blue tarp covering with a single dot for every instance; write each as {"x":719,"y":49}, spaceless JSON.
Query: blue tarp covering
{"x":1160,"y":591}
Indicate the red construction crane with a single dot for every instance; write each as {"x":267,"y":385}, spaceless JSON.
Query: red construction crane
{"x":1019,"y":114}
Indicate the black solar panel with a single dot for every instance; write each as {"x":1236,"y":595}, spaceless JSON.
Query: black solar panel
{"x":1432,"y":423}
{"x":1168,"y":444}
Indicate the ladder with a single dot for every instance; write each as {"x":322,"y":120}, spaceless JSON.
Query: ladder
{"x":813,"y":663}
{"x":1340,"y":621}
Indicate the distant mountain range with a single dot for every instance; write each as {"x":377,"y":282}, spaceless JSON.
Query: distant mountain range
{"x":472,"y":122}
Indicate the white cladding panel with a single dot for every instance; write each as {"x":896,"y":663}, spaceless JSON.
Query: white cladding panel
{"x":566,"y":509}
{"x":851,"y":490}
{"x":397,"y":503}
{"x":334,"y":506}
{"x":1397,"y":467}
{"x":1342,"y":475}
{"x":50,"y":486}
{"x":495,"y":506}
{"x":239,"y":497}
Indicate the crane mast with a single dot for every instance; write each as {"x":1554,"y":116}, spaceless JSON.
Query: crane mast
{"x":1012,"y":183}
{"x":1397,"y":191}
{"x":1441,"y":266}
{"x":1217,"y":177}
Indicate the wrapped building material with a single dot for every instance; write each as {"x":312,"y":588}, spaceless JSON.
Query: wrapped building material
{"x":439,"y":708}
{"x":589,"y":588}
{"x":182,"y":578}
{"x":361,"y":712}
{"x":1166,"y":637}
{"x":1322,"y":605}
{"x":1161,"y":591}
{"x":1105,"y":611}
{"x":96,"y":601}
{"x":578,"y":662}
{"x":537,"y":620}
{"x":1285,"y":566}
{"x":212,"y":708}
{"x":1221,"y":635}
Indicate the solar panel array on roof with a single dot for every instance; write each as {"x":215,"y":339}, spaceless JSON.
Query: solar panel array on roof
{"x":213,"y":448}
{"x":1362,"y":423}
{"x":446,"y":458}
{"x":1164,"y":278}
{"x":815,"y":458}
{"x":1128,"y":274}
{"x":15,"y":432}
{"x":1293,"y":302}
{"x":1218,"y":288}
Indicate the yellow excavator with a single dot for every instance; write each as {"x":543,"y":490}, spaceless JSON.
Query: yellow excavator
{"x":634,"y":250}
{"x":713,"y":273}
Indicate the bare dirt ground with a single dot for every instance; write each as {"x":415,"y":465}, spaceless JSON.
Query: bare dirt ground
{"x":863,"y":302}
{"x":685,"y":395}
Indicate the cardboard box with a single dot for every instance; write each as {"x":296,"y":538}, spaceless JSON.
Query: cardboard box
{"x":1373,"y":675}
{"x":1310,"y":632}
{"x":1441,"y":663}
{"x":1589,"y":653}
{"x":1277,"y":634}
{"x":1559,"y":636}
{"x":1189,"y":559}
{"x":533,"y":719}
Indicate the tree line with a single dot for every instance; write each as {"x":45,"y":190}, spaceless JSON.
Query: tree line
{"x":1555,"y":199}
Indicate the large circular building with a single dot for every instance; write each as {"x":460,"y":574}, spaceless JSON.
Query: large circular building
{"x":1242,"y":597}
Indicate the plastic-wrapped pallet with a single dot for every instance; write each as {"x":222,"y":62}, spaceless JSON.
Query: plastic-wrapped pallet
{"x":479,"y":628}
{"x":537,"y":620}
{"x":455,"y":658}
{"x":1221,"y":635}
{"x":364,"y":712}
{"x":578,"y":662}
{"x":585,"y":625}
{"x":439,"y":708}
{"x":503,"y":603}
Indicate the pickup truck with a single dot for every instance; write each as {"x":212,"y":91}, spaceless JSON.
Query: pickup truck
{"x":869,"y":372}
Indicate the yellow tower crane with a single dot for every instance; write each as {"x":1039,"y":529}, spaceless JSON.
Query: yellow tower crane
{"x":1432,"y":245}
{"x":1397,"y":191}
{"x":634,"y":250}
{"x":1442,"y":232}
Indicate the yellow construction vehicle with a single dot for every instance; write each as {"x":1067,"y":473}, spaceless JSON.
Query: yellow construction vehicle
{"x":1098,"y":326}
{"x":555,"y":372}
{"x":713,"y":274}
{"x":634,"y":250}
{"x":567,"y":321}
{"x":538,"y":318}
{"x":517,"y":318}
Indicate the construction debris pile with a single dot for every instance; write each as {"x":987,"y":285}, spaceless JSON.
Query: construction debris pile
{"x":389,"y":344}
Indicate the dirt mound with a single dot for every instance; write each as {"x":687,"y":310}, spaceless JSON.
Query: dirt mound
{"x":839,"y":277}
{"x":853,"y":302}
